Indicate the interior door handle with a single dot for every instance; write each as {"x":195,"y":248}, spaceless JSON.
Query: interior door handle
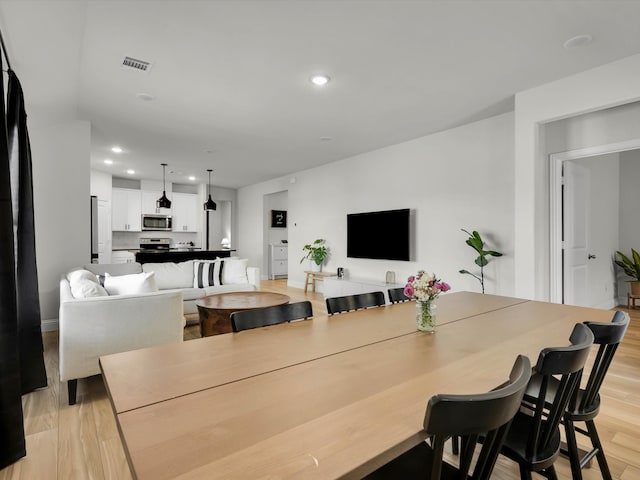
{"x":591,"y":256}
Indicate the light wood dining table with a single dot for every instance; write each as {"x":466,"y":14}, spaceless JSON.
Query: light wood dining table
{"x":331,"y":397}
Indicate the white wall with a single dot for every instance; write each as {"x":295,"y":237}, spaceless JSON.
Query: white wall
{"x":62,"y":208}
{"x":460,"y":178}
{"x":629,"y":213}
{"x":600,"y":88}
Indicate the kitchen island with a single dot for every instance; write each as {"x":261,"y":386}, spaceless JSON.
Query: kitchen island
{"x":180,"y":255}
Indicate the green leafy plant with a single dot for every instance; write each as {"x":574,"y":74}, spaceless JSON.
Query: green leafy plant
{"x":475,"y":241}
{"x":316,"y":252}
{"x":631,"y":266}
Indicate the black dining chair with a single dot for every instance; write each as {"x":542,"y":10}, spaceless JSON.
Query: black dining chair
{"x":263,"y":317}
{"x":354,"y":302}
{"x":467,"y":416}
{"x":585,"y":403}
{"x":396,"y":295}
{"x":533,"y":441}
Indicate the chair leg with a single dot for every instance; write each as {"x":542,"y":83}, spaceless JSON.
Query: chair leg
{"x":550,"y":473}
{"x":572,"y":450}
{"x":72,"y":387}
{"x":455,"y":448}
{"x":595,"y":441}
{"x":525,"y":473}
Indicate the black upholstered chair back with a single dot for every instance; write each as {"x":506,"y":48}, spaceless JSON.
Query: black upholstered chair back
{"x":396,"y":295}
{"x":354,"y":302}
{"x":263,"y":317}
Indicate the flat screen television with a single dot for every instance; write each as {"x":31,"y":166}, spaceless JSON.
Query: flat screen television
{"x":379,"y":235}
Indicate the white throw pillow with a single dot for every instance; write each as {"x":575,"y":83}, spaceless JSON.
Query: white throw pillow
{"x":81,"y":274}
{"x":234,"y":271}
{"x":84,"y":288}
{"x":207,"y":273}
{"x":130,"y":284}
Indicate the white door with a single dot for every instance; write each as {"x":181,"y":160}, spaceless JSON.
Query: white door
{"x":575,"y":203}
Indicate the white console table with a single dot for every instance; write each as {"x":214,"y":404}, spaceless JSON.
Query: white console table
{"x":340,"y":287}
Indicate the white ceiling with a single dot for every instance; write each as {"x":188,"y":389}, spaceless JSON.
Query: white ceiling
{"x":231,"y":78}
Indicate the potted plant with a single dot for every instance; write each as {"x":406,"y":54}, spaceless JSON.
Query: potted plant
{"x":475,"y":241}
{"x":316,"y":252}
{"x":631,"y":267}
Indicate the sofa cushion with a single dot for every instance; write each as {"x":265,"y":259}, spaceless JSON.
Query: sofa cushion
{"x":193,"y":293}
{"x":170,"y":275}
{"x":245,"y":287}
{"x":144,"y":282}
{"x":85,"y":288}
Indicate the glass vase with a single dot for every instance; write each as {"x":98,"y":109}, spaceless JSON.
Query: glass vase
{"x":426,"y":315}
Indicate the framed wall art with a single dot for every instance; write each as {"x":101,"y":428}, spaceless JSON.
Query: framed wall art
{"x":278,"y":219}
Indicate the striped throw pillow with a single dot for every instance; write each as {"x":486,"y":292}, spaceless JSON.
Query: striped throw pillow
{"x":207,"y":273}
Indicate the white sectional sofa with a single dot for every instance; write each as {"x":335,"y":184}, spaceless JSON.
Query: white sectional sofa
{"x":112,"y":308}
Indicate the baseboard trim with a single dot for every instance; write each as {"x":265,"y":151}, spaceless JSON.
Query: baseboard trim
{"x":50,"y":325}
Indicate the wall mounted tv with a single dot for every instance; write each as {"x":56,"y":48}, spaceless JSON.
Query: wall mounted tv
{"x":379,"y":235}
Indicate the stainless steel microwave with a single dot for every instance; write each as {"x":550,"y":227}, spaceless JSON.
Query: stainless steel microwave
{"x":156,"y":222}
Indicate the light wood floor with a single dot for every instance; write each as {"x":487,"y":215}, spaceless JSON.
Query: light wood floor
{"x":81,"y":441}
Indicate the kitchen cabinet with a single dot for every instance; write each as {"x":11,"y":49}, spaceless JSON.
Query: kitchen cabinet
{"x":149,"y":199}
{"x":126,"y":210}
{"x":278,"y":260}
{"x":184,"y":212}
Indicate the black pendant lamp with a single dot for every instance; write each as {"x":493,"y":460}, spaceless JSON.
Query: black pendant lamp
{"x":163,"y":201}
{"x":209,"y":204}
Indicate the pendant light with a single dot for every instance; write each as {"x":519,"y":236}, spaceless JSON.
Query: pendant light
{"x":209,"y":204}
{"x":163,"y":201}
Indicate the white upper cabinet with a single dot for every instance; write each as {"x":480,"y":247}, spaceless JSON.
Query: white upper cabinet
{"x":149,"y":199}
{"x":126,"y":210}
{"x":184,"y":212}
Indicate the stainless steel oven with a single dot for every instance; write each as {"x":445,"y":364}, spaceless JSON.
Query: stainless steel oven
{"x":155,"y":222}
{"x":155,"y":244}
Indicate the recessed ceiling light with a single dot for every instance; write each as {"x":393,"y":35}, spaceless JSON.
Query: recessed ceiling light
{"x":325,"y":139}
{"x":108,"y":161}
{"x":116,"y":149}
{"x":131,"y":172}
{"x":320,"y":80}
{"x":578,"y":41}
{"x":145,"y":96}
{"x":192,"y":178}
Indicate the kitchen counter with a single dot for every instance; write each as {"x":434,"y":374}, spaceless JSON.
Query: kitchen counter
{"x":180,"y":255}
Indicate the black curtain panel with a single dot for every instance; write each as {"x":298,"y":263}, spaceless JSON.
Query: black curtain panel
{"x":30,"y":349}
{"x":22,"y":368}
{"x":11,"y":423}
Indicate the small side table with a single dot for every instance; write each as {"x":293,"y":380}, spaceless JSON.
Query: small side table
{"x":631,"y":300}
{"x":313,"y":276}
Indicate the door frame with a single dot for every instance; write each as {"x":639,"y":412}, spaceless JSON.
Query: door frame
{"x":555,"y":205}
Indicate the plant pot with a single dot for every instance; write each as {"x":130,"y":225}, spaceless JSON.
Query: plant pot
{"x":315,"y":267}
{"x":635,"y":287}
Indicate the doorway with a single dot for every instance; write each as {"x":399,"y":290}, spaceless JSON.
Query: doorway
{"x":276,"y":235}
{"x":588,"y":222}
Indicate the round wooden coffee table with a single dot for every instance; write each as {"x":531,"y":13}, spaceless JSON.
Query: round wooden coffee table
{"x":215,"y":310}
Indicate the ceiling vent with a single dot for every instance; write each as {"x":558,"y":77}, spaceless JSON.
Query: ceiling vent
{"x":136,"y":64}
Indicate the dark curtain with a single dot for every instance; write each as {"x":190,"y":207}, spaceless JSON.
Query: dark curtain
{"x":21,"y":352}
{"x":30,"y":350}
